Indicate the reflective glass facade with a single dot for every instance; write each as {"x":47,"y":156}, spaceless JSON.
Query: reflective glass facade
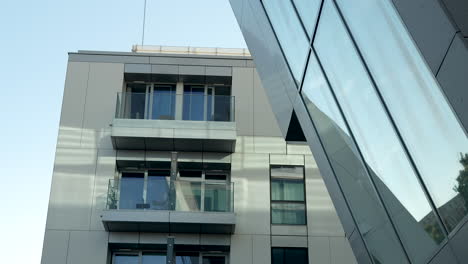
{"x":390,"y":137}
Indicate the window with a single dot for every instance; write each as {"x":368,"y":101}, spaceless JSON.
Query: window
{"x":195,"y":190}
{"x":126,"y":259}
{"x":287,"y":195}
{"x":159,"y":257}
{"x":145,"y":190}
{"x":210,"y":103}
{"x":289,"y":256}
{"x":149,"y":101}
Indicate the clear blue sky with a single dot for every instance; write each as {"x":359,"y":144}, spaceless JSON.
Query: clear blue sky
{"x":35,"y":39}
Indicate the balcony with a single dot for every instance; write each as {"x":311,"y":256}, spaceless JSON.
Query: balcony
{"x":174,"y":122}
{"x":162,"y":205}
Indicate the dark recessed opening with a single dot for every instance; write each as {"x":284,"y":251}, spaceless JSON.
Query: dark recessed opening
{"x":295,"y":132}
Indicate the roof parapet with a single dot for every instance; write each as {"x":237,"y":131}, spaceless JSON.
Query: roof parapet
{"x":190,"y":50}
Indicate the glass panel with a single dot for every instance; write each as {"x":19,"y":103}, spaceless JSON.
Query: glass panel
{"x":188,"y":196}
{"x":415,"y":101}
{"x":217,"y":197}
{"x":187,"y":258}
{"x":215,"y":176}
{"x":348,"y":167}
{"x":308,"y":11}
{"x":222,"y":104}
{"x":287,"y":190}
{"x":287,"y":171}
{"x":131,"y":191}
{"x":154,"y":258}
{"x":194,"y":103}
{"x":277,"y":256}
{"x":190,"y":173}
{"x":134,"y":105}
{"x":157,"y":194}
{"x":295,"y":255}
{"x":222,"y":108}
{"x":214,"y":260}
{"x":125,"y":259}
{"x":209,"y":104}
{"x":163,"y":102}
{"x":289,"y":31}
{"x":288,"y":213}
{"x":380,"y":146}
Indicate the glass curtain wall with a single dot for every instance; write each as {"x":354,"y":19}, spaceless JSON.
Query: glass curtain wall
{"x":348,"y":167}
{"x":429,"y":128}
{"x":394,"y":144}
{"x":290,"y":34}
{"x":388,"y":164}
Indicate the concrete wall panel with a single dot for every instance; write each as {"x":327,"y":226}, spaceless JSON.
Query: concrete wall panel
{"x":241,"y":249}
{"x":55,"y":247}
{"x":251,"y":176}
{"x":96,"y":138}
{"x":321,"y":215}
{"x":74,"y":95}
{"x":242,"y":90}
{"x":245,"y":144}
{"x":105,"y":81}
{"x":261,"y":249}
{"x":87,"y":247}
{"x":72,"y":187}
{"x":275,"y":145}
{"x":124,"y":237}
{"x":341,"y":252}
{"x":289,"y":241}
{"x":319,"y":250}
{"x":105,"y":170}
{"x":280,"y":159}
{"x":69,"y":137}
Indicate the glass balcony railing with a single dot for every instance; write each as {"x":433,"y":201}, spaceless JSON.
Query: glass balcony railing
{"x":171,"y":106}
{"x":164,"y":194}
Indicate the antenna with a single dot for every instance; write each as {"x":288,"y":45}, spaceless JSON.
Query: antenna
{"x":144,"y":22}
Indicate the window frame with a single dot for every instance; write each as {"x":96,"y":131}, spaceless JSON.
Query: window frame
{"x":287,"y":201}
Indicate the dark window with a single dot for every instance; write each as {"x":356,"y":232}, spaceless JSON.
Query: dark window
{"x":287,"y":195}
{"x":194,"y":103}
{"x":289,"y":256}
{"x":135,"y":101}
{"x":125,"y":259}
{"x":153,"y":258}
{"x":157,"y":195}
{"x":163,"y":105}
{"x":214,"y":260}
{"x":131,"y":190}
{"x":188,"y":258}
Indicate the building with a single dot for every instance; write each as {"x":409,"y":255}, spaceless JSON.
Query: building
{"x":378,"y":88}
{"x":169,"y":151}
